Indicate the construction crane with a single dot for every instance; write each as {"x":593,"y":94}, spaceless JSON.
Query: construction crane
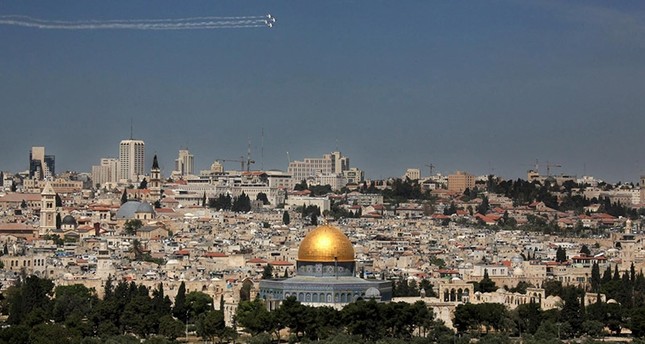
{"x":242,"y":161}
{"x":548,"y":168}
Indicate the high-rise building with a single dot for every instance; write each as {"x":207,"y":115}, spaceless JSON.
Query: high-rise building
{"x":460,"y":181}
{"x":311,"y":167}
{"x":412,"y":174}
{"x":185,"y":163}
{"x":106,"y":172}
{"x":131,"y":160}
{"x":41,"y":166}
{"x":642,"y":189}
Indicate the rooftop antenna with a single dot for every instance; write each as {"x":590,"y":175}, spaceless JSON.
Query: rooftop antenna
{"x":431,"y":166}
{"x":131,"y":130}
{"x":262,"y":152}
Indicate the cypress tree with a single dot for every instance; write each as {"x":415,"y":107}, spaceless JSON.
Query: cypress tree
{"x":616,"y":273}
{"x":595,"y":277}
{"x":179,"y":310}
{"x":124,"y":196}
{"x":108,"y":292}
{"x":606,"y":276}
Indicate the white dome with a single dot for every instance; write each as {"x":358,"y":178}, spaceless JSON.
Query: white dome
{"x":372,"y":293}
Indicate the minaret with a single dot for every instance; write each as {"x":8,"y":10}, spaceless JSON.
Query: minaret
{"x":155,"y":180}
{"x":47,"y":209}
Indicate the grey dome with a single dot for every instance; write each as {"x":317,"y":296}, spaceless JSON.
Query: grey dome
{"x":68,"y":220}
{"x":127,"y":210}
{"x":145,"y":207}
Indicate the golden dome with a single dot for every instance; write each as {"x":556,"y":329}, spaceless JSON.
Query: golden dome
{"x":326,"y":244}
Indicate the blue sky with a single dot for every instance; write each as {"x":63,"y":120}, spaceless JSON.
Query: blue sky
{"x":485,"y":86}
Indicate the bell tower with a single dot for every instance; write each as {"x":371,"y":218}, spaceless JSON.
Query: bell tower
{"x":47,"y":209}
{"x":155,"y":180}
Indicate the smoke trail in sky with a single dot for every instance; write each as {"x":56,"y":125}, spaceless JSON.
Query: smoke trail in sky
{"x":191,"y":23}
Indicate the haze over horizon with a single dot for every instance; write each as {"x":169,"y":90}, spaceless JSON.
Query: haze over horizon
{"x":484,"y":87}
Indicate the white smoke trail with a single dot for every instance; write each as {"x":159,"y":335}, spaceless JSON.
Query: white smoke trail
{"x":191,"y":23}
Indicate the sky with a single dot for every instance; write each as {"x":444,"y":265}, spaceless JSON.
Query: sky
{"x":487,"y":87}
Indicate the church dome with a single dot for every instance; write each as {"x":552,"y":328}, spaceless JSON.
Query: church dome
{"x":68,"y":220}
{"x":326,"y":244}
{"x":145,"y":207}
{"x":127,"y":210}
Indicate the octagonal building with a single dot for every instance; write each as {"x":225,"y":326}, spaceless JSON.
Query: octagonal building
{"x":325,"y":274}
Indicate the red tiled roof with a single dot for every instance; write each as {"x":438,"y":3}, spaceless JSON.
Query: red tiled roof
{"x":215,"y":254}
{"x":256,"y":261}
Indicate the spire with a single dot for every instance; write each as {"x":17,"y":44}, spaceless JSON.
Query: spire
{"x":155,"y":163}
{"x":48,"y":190}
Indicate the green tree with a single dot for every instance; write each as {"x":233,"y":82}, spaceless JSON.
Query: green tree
{"x":486,"y":285}
{"x":30,"y":301}
{"x":572,"y":311}
{"x":245,"y":292}
{"x":124,"y":196}
{"x":210,"y":325}
{"x":363,"y":319}
{"x":261,"y":196}
{"x":179,"y":309}
{"x":131,"y":226}
{"x":561,"y":255}
{"x":198,"y":303}
{"x":584,"y":250}
{"x":74,"y":301}
{"x":301,"y":186}
{"x":528,"y":317}
{"x":595,"y":277}
{"x":483,"y":207}
{"x":161,"y":304}
{"x":254,"y":317}
{"x":143,"y":184}
{"x":267,"y":273}
{"x":637,"y":322}
{"x":292,"y":312}
{"x":45,"y":333}
{"x":241,"y":204}
{"x":59,"y":221}
{"x":286,"y":220}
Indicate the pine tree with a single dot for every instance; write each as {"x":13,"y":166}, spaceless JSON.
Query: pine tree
{"x":286,"y":218}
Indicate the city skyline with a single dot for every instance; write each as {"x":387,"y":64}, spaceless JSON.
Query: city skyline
{"x":485,"y":88}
